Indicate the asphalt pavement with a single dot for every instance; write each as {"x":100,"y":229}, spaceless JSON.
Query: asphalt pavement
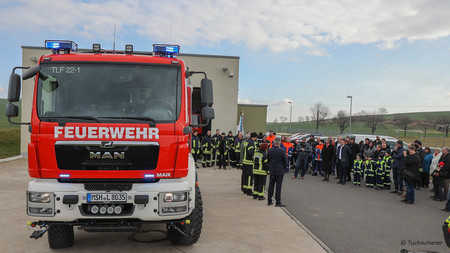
{"x":232,"y":222}
{"x":349,"y":218}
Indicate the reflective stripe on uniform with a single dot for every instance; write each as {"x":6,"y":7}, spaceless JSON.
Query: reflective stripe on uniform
{"x":244,"y":159}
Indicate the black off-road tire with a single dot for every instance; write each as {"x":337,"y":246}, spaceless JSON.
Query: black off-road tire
{"x":60,"y":236}
{"x":195,"y":228}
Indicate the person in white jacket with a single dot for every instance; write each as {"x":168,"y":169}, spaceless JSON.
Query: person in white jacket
{"x":434,"y":163}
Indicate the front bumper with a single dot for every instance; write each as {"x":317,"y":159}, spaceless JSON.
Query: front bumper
{"x":132,"y":208}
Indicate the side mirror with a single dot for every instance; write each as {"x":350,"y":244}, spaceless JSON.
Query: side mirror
{"x":207,"y":92}
{"x":195,"y":119}
{"x":31,"y":72}
{"x":14,"y":88}
{"x":12,"y":110}
{"x":208,"y":113}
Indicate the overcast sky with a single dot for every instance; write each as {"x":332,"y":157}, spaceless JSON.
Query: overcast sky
{"x":392,"y":54}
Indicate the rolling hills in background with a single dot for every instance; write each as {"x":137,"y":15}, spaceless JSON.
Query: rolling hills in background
{"x":416,"y":129}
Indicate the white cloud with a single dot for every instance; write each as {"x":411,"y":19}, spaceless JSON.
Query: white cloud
{"x":244,"y":101}
{"x":278,"y":108}
{"x":318,"y":52}
{"x":269,"y":24}
{"x":447,"y":94}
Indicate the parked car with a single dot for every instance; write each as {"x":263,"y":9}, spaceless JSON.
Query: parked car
{"x":391,"y":141}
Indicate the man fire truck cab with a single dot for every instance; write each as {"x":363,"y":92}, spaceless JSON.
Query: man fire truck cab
{"x":109,"y":149}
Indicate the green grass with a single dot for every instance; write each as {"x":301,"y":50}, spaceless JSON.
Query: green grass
{"x":419,"y":115}
{"x":389,"y":128}
{"x":9,"y":142}
{"x":9,"y":133}
{"x":4,"y":124}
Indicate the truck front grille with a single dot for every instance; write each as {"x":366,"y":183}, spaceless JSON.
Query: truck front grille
{"x":98,"y":155}
{"x":108,"y":186}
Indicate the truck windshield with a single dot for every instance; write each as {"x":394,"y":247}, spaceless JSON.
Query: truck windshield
{"x":115,"y":92}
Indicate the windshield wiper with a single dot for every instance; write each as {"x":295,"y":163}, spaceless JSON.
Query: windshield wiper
{"x":137,"y":118}
{"x":74,"y":117}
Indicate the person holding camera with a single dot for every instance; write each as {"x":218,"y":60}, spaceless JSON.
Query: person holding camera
{"x":411,"y":173}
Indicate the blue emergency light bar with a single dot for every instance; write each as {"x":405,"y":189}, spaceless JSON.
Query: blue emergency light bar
{"x":61,"y":45}
{"x":164,"y":50}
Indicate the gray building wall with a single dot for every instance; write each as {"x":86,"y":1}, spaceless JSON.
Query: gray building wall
{"x":225,"y":87}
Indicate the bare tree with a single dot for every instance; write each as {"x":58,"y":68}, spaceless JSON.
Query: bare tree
{"x":300,"y":118}
{"x":319,"y":114}
{"x":361,"y":113}
{"x":283,"y":119}
{"x":443,"y":124}
{"x":307,"y":118}
{"x":275,"y":120}
{"x":403,"y":122}
{"x":375,"y":119}
{"x":341,"y":119}
{"x":424,"y":126}
{"x":427,"y":124}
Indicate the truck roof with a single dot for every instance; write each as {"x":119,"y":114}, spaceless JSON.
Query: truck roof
{"x":109,"y":57}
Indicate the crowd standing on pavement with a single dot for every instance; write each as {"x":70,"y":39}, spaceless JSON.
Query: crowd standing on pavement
{"x":257,"y":155}
{"x":368,"y":163}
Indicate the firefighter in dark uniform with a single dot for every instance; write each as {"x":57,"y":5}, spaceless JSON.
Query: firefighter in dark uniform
{"x":379,"y":171}
{"x":230,"y":148}
{"x":387,"y":171}
{"x":369,"y":172}
{"x":357,"y":170}
{"x":237,"y":151}
{"x":195,"y":146}
{"x":207,"y":149}
{"x":223,"y":152}
{"x":260,"y":168}
{"x":446,"y":231}
{"x":247,"y":163}
{"x":259,"y":140}
{"x":215,"y":143}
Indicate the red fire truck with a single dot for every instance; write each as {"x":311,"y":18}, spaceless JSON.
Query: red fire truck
{"x":109,"y":148}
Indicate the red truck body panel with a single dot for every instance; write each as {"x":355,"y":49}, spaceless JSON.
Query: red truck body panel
{"x":173,"y":144}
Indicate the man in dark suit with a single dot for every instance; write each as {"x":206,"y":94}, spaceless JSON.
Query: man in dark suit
{"x":277,"y":166}
{"x":344,"y":156}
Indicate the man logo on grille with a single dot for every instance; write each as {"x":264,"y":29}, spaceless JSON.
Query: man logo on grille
{"x":107,"y":144}
{"x":106,"y":155}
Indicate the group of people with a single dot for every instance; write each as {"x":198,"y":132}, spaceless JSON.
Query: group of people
{"x":220,"y":149}
{"x":374,"y":161}
{"x":371,"y":161}
{"x":256,"y":154}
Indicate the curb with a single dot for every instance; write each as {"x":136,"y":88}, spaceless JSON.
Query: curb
{"x":309,"y":232}
{"x":11,"y":159}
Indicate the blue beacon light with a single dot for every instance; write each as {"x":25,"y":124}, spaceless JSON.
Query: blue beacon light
{"x":61,"y":45}
{"x":169,"y":51}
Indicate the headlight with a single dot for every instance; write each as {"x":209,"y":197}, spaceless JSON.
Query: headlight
{"x":39,"y":210}
{"x":175,"y":197}
{"x":174,"y":209}
{"x":39,"y":197}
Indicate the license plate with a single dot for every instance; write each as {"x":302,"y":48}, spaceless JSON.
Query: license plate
{"x":106,"y":197}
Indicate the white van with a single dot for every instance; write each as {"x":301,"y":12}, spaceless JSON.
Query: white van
{"x":391,"y":141}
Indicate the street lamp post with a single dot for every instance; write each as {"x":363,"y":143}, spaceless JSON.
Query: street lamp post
{"x":290,"y":118}
{"x":350,"y":123}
